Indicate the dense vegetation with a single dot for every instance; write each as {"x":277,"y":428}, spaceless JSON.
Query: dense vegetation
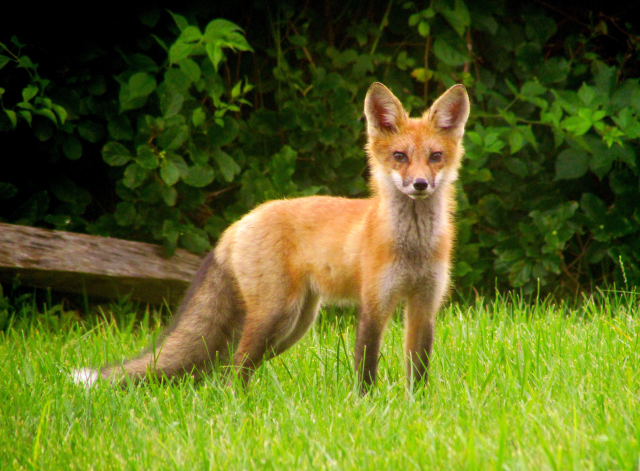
{"x":166,"y":126}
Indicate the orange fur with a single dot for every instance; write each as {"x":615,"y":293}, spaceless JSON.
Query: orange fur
{"x":260,"y":290}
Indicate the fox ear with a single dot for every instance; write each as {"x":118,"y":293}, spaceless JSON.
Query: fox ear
{"x":383,"y":110}
{"x":449,"y":113}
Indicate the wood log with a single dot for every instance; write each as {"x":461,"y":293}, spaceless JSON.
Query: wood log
{"x":100,"y":266}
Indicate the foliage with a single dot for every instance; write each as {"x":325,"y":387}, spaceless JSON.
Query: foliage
{"x":174,"y":133}
{"x":197,"y":129}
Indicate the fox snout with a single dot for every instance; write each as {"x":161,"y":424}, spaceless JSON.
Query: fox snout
{"x":417,"y":188}
{"x":420,"y":184}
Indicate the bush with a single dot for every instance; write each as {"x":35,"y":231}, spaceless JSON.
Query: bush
{"x":198,"y":129}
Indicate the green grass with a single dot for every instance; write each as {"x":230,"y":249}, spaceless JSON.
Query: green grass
{"x":512,"y":386}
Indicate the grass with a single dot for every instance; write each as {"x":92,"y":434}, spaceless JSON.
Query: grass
{"x":513,"y":386}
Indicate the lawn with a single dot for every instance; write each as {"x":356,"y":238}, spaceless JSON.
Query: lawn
{"x":513,"y":385}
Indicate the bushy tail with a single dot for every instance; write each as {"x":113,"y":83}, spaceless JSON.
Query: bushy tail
{"x":208,"y":321}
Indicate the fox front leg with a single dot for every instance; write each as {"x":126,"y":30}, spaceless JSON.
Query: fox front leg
{"x":420,"y":314}
{"x":371,"y":327}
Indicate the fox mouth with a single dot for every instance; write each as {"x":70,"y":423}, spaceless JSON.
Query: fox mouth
{"x":419,"y":195}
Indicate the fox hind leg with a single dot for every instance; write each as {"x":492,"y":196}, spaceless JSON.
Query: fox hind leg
{"x":268,"y":332}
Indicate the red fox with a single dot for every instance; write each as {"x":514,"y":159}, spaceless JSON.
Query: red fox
{"x":259,"y":290}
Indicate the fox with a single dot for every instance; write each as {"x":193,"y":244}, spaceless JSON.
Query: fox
{"x":260,"y":289}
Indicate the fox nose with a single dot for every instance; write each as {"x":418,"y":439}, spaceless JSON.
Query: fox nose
{"x":420,"y":184}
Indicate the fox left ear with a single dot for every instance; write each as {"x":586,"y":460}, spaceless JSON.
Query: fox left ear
{"x":383,"y":110}
{"x":450,"y":112}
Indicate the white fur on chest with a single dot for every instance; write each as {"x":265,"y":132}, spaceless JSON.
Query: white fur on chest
{"x":417,"y":227}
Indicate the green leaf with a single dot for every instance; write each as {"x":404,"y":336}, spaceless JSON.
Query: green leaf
{"x":298,"y":40}
{"x":404,"y":62}
{"x":194,"y":240}
{"x":424,"y":29}
{"x":571,"y":164}
{"x":27,"y":116}
{"x":459,"y":17}
{"x":149,"y":17}
{"x":179,"y":162}
{"x":485,"y":23}
{"x":125,"y":213}
{"x":181,"y":21}
{"x":47,"y":113}
{"x":516,"y":140}
{"x":176,"y":81}
{"x":97,"y":85}
{"x":169,"y":172}
{"x":134,"y":176}
{"x":587,"y":94}
{"x":625,"y":154}
{"x":25,"y":62}
{"x":169,"y":195}
{"x":578,"y":125}
{"x":115,"y":154}
{"x":605,"y":78}
{"x":219,"y":29}
{"x":72,"y":147}
{"x":214,"y":51}
{"x":4,"y":60}
{"x":29,"y":92}
{"x":67,"y":191}
{"x":120,"y":128}
{"x":170,"y":231}
{"x":220,"y":136}
{"x":160,"y":42}
{"x":12,"y":117}
{"x":532,"y":88}
{"x":235,"y":91}
{"x":146,"y":157}
{"x":529,"y":55}
{"x":179,"y":51}
{"x":517,"y":167}
{"x":554,"y":70}
{"x":61,"y":112}
{"x":627,"y":94}
{"x":190,"y":34}
{"x":539,"y":28}
{"x":91,"y":131}
{"x":141,"y":85}
{"x":173,"y":105}
{"x":173,"y":137}
{"x":628,"y":123}
{"x":198,"y":117}
{"x":492,"y":143}
{"x":199,"y":176}
{"x":281,"y":168}
{"x":191,"y":69}
{"x":448,"y":54}
{"x":215,"y":226}
{"x":127,"y":101}
{"x":237,"y":41}
{"x":553,"y":116}
{"x":228,"y":167}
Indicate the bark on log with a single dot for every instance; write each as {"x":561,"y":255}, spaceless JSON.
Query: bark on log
{"x":101,"y":266}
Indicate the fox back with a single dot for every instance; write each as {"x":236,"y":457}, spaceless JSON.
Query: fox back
{"x":259,"y":291}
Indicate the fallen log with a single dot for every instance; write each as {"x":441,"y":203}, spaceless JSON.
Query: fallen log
{"x":100,"y":266}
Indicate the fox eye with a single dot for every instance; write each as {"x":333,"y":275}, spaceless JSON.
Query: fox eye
{"x":400,"y":157}
{"x":435,"y":157}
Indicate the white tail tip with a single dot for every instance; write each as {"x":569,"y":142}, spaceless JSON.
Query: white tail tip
{"x":85,"y":377}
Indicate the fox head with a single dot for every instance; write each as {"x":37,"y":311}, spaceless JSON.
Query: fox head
{"x":416,"y":155}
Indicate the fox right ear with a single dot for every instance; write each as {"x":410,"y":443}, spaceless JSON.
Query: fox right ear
{"x":383,"y":110}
